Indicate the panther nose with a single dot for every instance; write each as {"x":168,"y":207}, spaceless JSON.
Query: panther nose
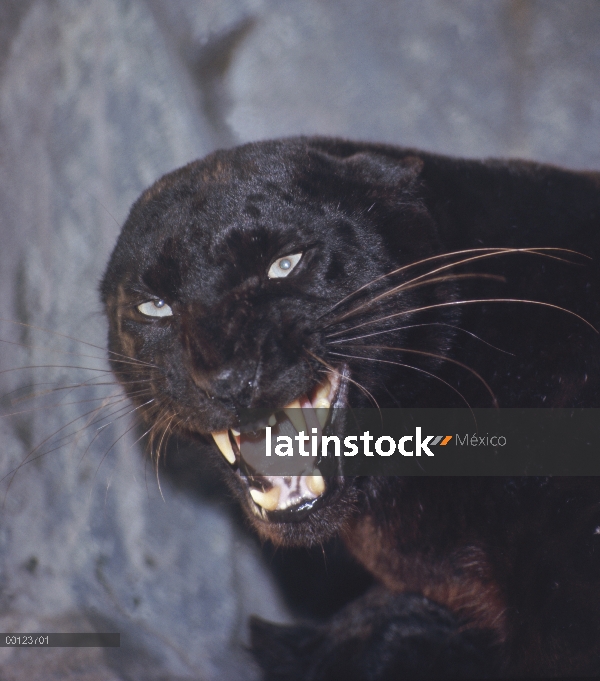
{"x":234,"y":390}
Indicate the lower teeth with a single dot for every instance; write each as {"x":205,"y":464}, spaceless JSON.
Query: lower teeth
{"x":289,"y":491}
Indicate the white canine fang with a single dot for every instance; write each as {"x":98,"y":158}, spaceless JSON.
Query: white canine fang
{"x":224,"y":445}
{"x":268,"y":500}
{"x":321,"y":402}
{"x":315,"y":483}
{"x":294,"y":413}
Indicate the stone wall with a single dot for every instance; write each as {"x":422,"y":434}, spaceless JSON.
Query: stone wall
{"x":97,"y":100}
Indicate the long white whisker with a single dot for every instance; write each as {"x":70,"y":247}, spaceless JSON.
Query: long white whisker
{"x":66,"y":404}
{"x":89,"y":382}
{"x":30,"y":458}
{"x":418,"y":326}
{"x":54,"y":366}
{"x":165,"y":432}
{"x":408,"y":366}
{"x":52,"y":351}
{"x":454,"y":303}
{"x":489,"y":251}
{"x":76,"y":340}
{"x":435,"y":356}
{"x":101,"y":428}
{"x":335,"y":371}
{"x":133,"y":425}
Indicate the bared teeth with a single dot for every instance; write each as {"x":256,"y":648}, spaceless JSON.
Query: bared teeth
{"x":237,"y":437}
{"x":322,"y":412}
{"x":315,"y":483}
{"x":322,"y":406}
{"x":321,"y":403}
{"x":322,"y":393}
{"x":222,"y":441}
{"x":294,"y":413}
{"x":267,"y":500}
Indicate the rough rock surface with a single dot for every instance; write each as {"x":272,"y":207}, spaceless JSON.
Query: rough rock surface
{"x":97,"y":100}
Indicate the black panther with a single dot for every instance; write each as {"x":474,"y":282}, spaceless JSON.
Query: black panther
{"x":311,"y":273}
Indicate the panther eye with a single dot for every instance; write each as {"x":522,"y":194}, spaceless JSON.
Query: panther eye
{"x":155,"y":308}
{"x":283,"y":266}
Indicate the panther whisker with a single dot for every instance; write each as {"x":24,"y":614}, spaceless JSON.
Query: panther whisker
{"x":407,"y":366}
{"x":435,"y":356}
{"x":527,"y":251}
{"x":455,"y":303}
{"x":57,"y":387}
{"x":167,"y":433}
{"x":58,"y":404}
{"x":53,"y":351}
{"x":90,"y":422}
{"x":58,"y":446}
{"x":95,"y":418}
{"x":77,"y":340}
{"x":133,"y":425}
{"x":335,"y":371}
{"x":99,"y":430}
{"x":61,"y":442}
{"x":164,"y":430}
{"x":119,"y":382}
{"x":414,"y":284}
{"x":417,"y":326}
{"x":55,"y":366}
{"x":155,"y":429}
{"x":60,"y":388}
{"x":487,"y":252}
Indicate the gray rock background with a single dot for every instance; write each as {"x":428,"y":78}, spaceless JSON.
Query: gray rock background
{"x":97,"y":100}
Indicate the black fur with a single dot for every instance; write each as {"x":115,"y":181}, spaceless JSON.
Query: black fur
{"x":377,"y":637}
{"x":507,"y":569}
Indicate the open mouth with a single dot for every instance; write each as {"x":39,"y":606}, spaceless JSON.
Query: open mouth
{"x":276,"y":494}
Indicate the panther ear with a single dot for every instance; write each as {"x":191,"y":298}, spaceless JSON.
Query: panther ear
{"x":357,"y":181}
{"x":381,"y":187}
{"x":375,"y":168}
